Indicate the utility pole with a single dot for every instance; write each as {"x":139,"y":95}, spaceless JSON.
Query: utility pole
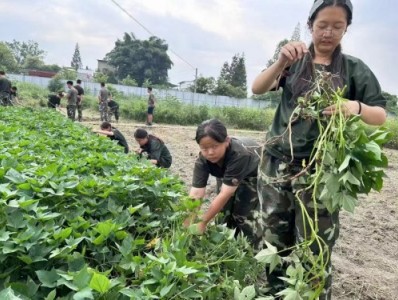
{"x":194,"y":89}
{"x":196,"y":78}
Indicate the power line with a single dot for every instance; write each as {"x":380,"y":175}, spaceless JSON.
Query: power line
{"x":148,"y":31}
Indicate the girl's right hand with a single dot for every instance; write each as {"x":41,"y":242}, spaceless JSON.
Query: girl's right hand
{"x":292,"y":52}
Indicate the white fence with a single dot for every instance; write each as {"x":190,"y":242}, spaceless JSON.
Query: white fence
{"x":184,"y":96}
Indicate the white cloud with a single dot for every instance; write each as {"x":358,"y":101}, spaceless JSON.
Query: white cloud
{"x":221,"y":17}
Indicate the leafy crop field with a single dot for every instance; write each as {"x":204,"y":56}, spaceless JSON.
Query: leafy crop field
{"x":79,"y":219}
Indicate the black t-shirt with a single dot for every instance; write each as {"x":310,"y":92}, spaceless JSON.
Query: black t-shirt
{"x":119,"y":137}
{"x":157,"y":150}
{"x":240,"y":162}
{"x":80,"y":91}
{"x":113,"y":104}
{"x":54,"y":100}
{"x":5,"y":85}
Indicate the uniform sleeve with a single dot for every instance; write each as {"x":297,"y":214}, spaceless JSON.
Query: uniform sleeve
{"x":364,"y":86}
{"x":200,"y":174}
{"x":236,"y":170}
{"x":155,"y":150}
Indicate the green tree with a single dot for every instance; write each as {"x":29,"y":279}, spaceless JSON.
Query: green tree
{"x":100,"y":77}
{"x":204,"y":85}
{"x":67,"y":74}
{"x":226,"y":89}
{"x":55,"y":85}
{"x":232,"y":80}
{"x":33,"y":63}
{"x":7,"y":59}
{"x":23,"y":50}
{"x":129,"y":81}
{"x":141,"y":59}
{"x":238,"y":72}
{"x":76,"y":62}
{"x":51,"y":68}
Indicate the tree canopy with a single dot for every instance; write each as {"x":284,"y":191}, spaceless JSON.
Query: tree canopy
{"x":141,"y":59}
{"x":23,"y":50}
{"x":7,"y":60}
{"x":232,"y":80}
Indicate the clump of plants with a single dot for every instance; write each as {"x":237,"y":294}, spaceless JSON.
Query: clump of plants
{"x":346,"y":161}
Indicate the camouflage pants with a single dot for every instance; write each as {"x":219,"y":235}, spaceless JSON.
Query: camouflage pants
{"x":5,"y":99}
{"x":242,"y":212}
{"x":103,"y":109}
{"x":114,"y":111}
{"x":80,"y":112}
{"x":71,"y":111}
{"x":284,"y":224}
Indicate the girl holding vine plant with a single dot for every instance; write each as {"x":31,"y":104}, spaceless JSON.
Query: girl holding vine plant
{"x":290,"y":155}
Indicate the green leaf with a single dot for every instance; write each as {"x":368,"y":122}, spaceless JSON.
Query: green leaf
{"x":269,"y":256}
{"x":48,"y":278}
{"x":105,"y":228}
{"x":51,"y":295}
{"x":345,"y":163}
{"x":349,"y":203}
{"x":82,"y":279}
{"x":373,"y":148}
{"x":248,"y":293}
{"x":83,"y":294}
{"x":290,"y":294}
{"x":165,"y":290}
{"x":15,"y":176}
{"x":4,"y":235}
{"x":348,"y":177}
{"x":8,"y":294}
{"x":100,"y":283}
{"x":63,"y":234}
{"x":186,"y":271}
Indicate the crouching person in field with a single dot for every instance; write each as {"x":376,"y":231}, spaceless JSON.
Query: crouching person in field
{"x":234,"y":162}
{"x":113,"y":134}
{"x":153,"y":147}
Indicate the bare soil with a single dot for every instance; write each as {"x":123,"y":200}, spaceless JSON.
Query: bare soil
{"x":365,"y":258}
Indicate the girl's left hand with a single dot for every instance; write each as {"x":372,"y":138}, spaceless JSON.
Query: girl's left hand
{"x":349,"y":108}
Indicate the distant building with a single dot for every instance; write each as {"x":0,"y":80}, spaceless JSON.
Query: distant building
{"x":85,"y":74}
{"x":37,"y":73}
{"x":105,"y":67}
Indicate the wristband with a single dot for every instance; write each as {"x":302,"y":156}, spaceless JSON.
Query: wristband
{"x":360,"y":107}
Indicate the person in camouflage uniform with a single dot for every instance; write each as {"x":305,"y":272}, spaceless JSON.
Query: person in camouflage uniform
{"x":72,"y":101}
{"x":5,"y":89}
{"x":80,"y":96}
{"x":103,"y":102}
{"x":113,"y":107}
{"x":234,"y":162}
{"x":289,"y":144}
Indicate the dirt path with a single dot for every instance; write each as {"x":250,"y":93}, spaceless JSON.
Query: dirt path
{"x":365,"y":258}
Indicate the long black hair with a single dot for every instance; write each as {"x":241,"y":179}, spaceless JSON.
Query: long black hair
{"x":212,"y":128}
{"x":306,"y":74}
{"x":141,"y":133}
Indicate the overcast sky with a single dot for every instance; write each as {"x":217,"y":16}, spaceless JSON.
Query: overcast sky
{"x":205,"y":33}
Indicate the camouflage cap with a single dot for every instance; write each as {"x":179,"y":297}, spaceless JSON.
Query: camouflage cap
{"x":318,"y":3}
